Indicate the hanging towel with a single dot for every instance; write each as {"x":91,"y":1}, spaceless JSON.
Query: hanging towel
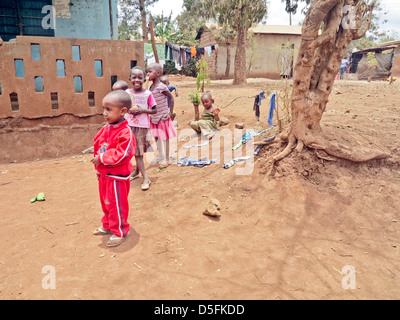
{"x":272,"y":106}
{"x":193,"y":51}
{"x":208,"y":50}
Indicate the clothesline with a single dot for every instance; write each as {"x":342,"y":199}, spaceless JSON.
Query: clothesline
{"x":182,"y":54}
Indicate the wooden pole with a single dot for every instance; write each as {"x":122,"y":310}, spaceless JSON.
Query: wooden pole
{"x":153,"y":42}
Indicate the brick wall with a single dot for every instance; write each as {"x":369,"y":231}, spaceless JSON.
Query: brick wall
{"x":207,"y":39}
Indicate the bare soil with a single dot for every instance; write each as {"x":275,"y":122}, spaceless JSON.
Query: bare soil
{"x":287,"y":237}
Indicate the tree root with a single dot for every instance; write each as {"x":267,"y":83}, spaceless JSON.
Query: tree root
{"x":333,"y":150}
{"x":286,"y":151}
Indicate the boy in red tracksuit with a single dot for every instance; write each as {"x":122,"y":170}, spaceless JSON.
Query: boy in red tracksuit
{"x":114,"y":147}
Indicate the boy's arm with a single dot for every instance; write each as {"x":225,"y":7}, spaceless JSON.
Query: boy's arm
{"x":216,"y":112}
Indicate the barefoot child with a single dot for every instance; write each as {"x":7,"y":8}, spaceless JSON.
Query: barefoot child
{"x":208,"y":124}
{"x":143,"y":104}
{"x":114,"y":147}
{"x":162,"y":127}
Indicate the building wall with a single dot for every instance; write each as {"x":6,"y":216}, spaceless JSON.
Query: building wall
{"x":396,"y":63}
{"x":268,"y":48}
{"x":94,"y":19}
{"x":86,"y":19}
{"x":59,"y":94}
{"x":207,"y":39}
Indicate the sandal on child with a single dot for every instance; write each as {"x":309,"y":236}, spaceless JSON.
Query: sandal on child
{"x":116,"y":241}
{"x":100,"y":231}
{"x":146,"y":185}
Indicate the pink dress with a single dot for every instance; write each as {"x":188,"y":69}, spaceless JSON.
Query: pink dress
{"x":161,"y":124}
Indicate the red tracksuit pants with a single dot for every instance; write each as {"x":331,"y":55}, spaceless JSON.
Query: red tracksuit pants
{"x":114,"y":202}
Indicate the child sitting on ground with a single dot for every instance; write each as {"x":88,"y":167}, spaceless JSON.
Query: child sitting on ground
{"x":208,"y":124}
{"x":114,"y":147}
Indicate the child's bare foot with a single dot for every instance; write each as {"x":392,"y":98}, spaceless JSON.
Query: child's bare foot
{"x":134,"y":175}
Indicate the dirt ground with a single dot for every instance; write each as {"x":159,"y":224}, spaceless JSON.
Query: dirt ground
{"x":290,"y":237}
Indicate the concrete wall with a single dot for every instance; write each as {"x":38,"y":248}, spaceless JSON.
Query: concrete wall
{"x":396,"y":63}
{"x":115,"y":57}
{"x":90,"y":19}
{"x":268,"y":49}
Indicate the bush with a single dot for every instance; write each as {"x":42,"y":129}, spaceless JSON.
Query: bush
{"x":189,"y":70}
{"x":169,"y":67}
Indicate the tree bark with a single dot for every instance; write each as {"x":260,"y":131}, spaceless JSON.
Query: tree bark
{"x":145,"y":30}
{"x":317,"y":65}
{"x":240,"y":57}
{"x":228,"y":60}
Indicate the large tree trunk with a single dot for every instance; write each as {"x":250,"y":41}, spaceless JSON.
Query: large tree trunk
{"x":228,"y":60}
{"x":317,"y":65}
{"x":145,"y":30}
{"x":240,"y":57}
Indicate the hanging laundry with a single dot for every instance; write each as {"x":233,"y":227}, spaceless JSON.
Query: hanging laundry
{"x":193,"y":51}
{"x":257,"y":104}
{"x":272,"y":106}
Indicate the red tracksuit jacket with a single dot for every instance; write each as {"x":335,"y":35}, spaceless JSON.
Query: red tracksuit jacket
{"x":115,"y":145}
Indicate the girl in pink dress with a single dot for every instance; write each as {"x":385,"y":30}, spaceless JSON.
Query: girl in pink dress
{"x":143,"y":105}
{"x":162,"y":127}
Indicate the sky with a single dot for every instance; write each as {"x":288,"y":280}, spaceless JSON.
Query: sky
{"x":278,"y":16}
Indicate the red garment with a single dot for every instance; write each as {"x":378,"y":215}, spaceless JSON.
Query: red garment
{"x":115,"y":145}
{"x":114,"y":202}
{"x":193,"y":51}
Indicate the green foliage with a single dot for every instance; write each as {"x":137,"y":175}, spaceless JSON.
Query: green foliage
{"x":203,"y":75}
{"x":169,"y":67}
{"x":190,"y":69}
{"x":195,"y":97}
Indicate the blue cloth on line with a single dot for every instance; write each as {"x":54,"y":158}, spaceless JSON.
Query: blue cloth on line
{"x":272,"y":106}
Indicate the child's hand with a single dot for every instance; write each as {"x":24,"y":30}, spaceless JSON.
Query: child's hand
{"x":134,"y":110}
{"x":95,"y":161}
{"x":216,"y":111}
{"x":172,"y":115}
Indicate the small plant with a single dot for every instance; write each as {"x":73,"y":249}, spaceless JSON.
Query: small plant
{"x":195,"y":97}
{"x":203,"y":74}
